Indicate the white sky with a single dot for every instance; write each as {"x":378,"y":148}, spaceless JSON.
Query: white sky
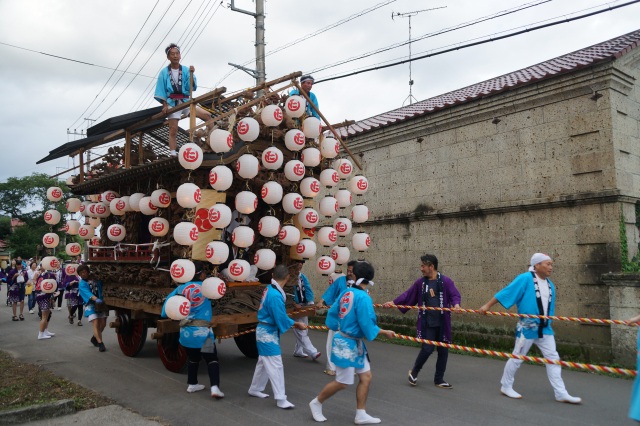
{"x":43,"y":95}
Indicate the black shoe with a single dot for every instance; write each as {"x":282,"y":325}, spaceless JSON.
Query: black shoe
{"x":94,"y":341}
{"x":101,"y":347}
{"x":444,"y":385}
{"x":413,"y":381}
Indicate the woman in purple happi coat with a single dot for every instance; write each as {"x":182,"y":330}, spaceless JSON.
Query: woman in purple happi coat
{"x":436,"y":291}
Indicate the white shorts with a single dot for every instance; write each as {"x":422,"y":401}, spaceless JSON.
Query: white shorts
{"x":178,"y":115}
{"x":345,"y":375}
{"x":97,"y":315}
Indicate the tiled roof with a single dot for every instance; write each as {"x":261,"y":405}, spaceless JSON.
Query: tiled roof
{"x":605,"y":51}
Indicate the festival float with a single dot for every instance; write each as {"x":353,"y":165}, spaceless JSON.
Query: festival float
{"x":259,"y":184}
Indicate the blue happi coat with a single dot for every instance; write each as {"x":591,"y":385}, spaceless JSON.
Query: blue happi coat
{"x":192,"y":336}
{"x":306,"y":290}
{"x":88,"y":290}
{"x":164,"y":87}
{"x":354,"y":319}
{"x":272,"y":320}
{"x":339,"y":285}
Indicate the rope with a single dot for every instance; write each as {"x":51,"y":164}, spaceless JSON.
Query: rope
{"x":510,"y":314}
{"x":538,"y":360}
{"x":240,"y":333}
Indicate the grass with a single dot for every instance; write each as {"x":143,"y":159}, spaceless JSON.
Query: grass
{"x":23,"y":385}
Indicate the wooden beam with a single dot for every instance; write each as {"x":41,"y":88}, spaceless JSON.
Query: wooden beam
{"x":140,"y":149}
{"x":81,"y":162}
{"x":127,"y":149}
{"x":81,"y":165}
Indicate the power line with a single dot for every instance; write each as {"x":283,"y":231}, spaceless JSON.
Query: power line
{"x":566,"y":20}
{"x":117,"y":66}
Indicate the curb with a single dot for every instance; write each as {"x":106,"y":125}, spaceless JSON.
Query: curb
{"x":37,"y":412}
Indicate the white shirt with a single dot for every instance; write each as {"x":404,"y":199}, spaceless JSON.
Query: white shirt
{"x":543,"y":286}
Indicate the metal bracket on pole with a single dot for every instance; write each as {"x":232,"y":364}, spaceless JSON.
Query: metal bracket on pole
{"x":252,"y":73}
{"x":235,"y":9}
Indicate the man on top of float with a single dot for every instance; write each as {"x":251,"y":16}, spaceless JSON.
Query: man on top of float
{"x":306,"y":83}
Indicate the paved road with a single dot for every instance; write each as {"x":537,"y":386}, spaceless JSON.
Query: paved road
{"x":142,"y":384}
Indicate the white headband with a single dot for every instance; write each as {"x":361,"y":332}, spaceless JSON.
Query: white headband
{"x":362,"y":279}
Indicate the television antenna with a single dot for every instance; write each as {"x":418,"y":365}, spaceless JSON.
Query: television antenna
{"x":409,"y":15}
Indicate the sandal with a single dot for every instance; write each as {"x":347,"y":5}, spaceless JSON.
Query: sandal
{"x":15,"y":318}
{"x":329,"y":372}
{"x":21,"y":317}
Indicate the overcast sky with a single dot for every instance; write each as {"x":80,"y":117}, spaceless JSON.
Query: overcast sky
{"x":44,"y":95}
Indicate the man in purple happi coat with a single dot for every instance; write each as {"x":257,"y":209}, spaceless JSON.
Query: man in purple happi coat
{"x":436,"y":291}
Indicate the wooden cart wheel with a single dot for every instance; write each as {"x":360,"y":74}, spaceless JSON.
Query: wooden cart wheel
{"x":172,"y":354}
{"x":247,"y":344}
{"x":132,"y":335}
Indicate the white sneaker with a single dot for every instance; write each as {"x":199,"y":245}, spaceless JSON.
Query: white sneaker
{"x":316,"y":410}
{"x":58,"y":308}
{"x":283,"y":403}
{"x":31,"y":311}
{"x":194,"y":388}
{"x":510,"y":393}
{"x":366,"y":419}
{"x":48,"y":333}
{"x":258,"y":394}
{"x":216,"y":392}
{"x":569,"y":399}
{"x":41,"y":336}
{"x":173,"y":153}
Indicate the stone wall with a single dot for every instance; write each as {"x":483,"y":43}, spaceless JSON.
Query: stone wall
{"x":548,"y":167}
{"x":624,"y":296}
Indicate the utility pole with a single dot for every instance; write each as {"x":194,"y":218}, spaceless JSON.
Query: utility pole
{"x":259,"y":73}
{"x":409,"y":15}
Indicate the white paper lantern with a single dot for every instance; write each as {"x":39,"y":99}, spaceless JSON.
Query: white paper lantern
{"x":247,"y":166}
{"x":126,"y":199}
{"x":94,"y":242}
{"x":329,"y":178}
{"x":84,"y":207}
{"x":308,"y":218}
{"x":340,"y":254}
{"x":94,"y":222}
{"x":72,"y":227}
{"x":71,"y":269}
{"x":217,"y":252}
{"x":182,"y":270}
{"x":344,"y":198}
{"x":360,"y":213}
{"x":327,"y":236}
{"x":213,"y":288}
{"x":73,"y":249}
{"x":329,"y":148}
{"x":86,"y":231}
{"x":52,"y":217}
{"x":221,"y":141}
{"x":190,"y":156}
{"x":306,"y":248}
{"x":342,"y":225}
{"x":177,"y":307}
{"x":220,"y":178}
{"x":102,"y":210}
{"x":246,"y":202}
{"x":328,"y":206}
{"x":116,"y":232}
{"x":242,"y":236}
{"x":50,"y":263}
{"x":161,"y":198}
{"x":108,"y":196}
{"x":248,"y":129}
{"x":116,"y":207}
{"x":48,"y":285}
{"x":188,"y":195}
{"x":292,"y":203}
{"x":294,"y":170}
{"x":295,"y":106}
{"x":289,"y":235}
{"x":185,"y":233}
{"x":310,"y":157}
{"x":50,"y":240}
{"x":54,"y":194}
{"x":147,"y":207}
{"x":239,"y":269}
{"x":220,"y":215}
{"x":271,"y":192}
{"x":73,"y":205}
{"x":272,"y":158}
{"x":158,"y":227}
{"x":310,"y":187}
{"x":358,"y":185}
{"x":343,"y":167}
{"x":325,"y":265}
{"x":264,"y":259}
{"x":271,"y":115}
{"x":361,"y":241}
{"x":294,"y":140}
{"x":91,"y":210}
{"x":134,"y":201}
{"x":311,"y":127}
{"x":269,"y":227}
